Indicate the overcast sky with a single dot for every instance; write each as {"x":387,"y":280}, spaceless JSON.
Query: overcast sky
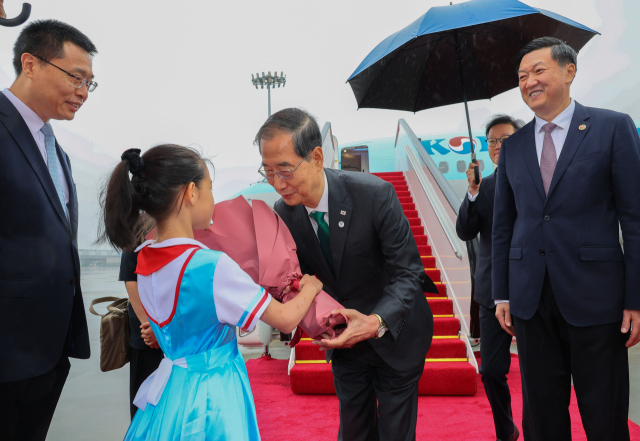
{"x":180,"y":72}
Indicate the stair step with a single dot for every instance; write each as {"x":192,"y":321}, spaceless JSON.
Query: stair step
{"x":411,"y":213}
{"x":414,"y":221}
{"x":399,"y":188}
{"x":385,"y":174}
{"x":408,"y":206}
{"x":424,"y":250}
{"x":403,"y":194}
{"x":406,"y":200}
{"x":421,"y":240}
{"x":446,"y":348}
{"x":428,"y":262}
{"x":417,"y":230}
{"x":442,"y":290}
{"x":446,"y":326}
{"x":440,"y":306}
{"x":433,"y":273}
{"x":439,"y":378}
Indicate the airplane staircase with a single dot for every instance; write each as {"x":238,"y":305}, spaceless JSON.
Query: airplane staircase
{"x":447,"y":370}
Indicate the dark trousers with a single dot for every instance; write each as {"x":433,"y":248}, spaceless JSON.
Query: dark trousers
{"x":551,"y":352}
{"x":27,"y":406}
{"x":142,"y":363}
{"x":495,"y":361}
{"x":377,"y":402}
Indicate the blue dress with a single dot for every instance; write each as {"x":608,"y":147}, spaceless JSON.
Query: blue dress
{"x":193,"y":313}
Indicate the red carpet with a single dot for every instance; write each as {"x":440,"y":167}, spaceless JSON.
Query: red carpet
{"x":283,"y":415}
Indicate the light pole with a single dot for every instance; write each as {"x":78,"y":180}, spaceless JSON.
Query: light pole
{"x":270,"y":81}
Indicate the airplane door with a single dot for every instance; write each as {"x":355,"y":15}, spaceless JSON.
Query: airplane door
{"x":355,"y":159}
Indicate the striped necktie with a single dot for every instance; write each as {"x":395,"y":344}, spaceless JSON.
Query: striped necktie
{"x":323,"y":235}
{"x":52,"y":163}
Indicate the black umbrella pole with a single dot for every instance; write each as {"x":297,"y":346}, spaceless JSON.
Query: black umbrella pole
{"x":476,"y":170}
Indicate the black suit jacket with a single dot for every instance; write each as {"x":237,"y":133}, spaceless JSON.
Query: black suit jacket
{"x":41,"y":310}
{"x":477,"y":218}
{"x":376,"y":262}
{"x":573,"y":231}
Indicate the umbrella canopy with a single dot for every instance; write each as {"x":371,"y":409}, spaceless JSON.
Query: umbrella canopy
{"x":418,"y":67}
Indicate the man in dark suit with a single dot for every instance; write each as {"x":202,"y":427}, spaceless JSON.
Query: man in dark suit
{"x":476,"y":217}
{"x":566,"y":181}
{"x":352,"y":234}
{"x":42,"y":318}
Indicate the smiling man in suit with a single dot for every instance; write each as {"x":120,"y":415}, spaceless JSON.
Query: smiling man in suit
{"x":565,"y":182}
{"x":42,"y":317}
{"x":352,"y":234}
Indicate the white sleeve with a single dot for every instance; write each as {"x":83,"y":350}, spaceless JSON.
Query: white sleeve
{"x":239,"y":301}
{"x":471,"y":197}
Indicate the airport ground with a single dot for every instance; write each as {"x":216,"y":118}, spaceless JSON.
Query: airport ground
{"x":95,"y":405}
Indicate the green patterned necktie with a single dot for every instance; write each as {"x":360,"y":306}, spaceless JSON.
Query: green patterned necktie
{"x":323,"y":234}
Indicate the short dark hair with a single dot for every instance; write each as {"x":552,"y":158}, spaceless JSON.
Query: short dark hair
{"x":168,"y":169}
{"x":303,"y":126}
{"x":561,"y":52}
{"x":503,"y":119}
{"x":46,"y":38}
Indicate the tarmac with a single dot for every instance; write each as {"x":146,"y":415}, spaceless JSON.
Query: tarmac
{"x":95,"y":405}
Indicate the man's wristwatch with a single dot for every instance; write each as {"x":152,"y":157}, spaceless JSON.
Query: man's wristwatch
{"x":382,"y":329}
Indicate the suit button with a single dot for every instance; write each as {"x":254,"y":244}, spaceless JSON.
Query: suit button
{"x":547,"y":218}
{"x":541,"y":252}
{"x":73,"y":281}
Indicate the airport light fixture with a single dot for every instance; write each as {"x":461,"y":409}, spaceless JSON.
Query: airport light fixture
{"x":271,"y":81}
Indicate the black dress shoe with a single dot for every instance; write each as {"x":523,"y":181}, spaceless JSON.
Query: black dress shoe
{"x":513,"y":437}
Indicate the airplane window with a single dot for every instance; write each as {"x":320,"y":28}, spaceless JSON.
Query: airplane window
{"x":481,"y":164}
{"x":444,"y":167}
{"x":462,"y":166}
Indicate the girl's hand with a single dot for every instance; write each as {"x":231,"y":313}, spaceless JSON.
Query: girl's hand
{"x":148,"y":336}
{"x":312,"y":281}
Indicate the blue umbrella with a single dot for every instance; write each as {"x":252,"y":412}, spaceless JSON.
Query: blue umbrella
{"x":456,"y":53}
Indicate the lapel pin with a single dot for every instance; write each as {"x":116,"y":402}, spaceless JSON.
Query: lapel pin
{"x":342,"y":212}
{"x":341,"y":224}
{"x":582,"y":127}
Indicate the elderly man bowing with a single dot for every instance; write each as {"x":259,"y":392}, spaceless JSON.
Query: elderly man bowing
{"x":352,"y":234}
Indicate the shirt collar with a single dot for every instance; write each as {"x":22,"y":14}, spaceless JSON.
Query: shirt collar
{"x":34,"y":122}
{"x":563,"y":120}
{"x":323,"y":205}
{"x":171,"y":243}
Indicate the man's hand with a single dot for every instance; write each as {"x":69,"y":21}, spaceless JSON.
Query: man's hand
{"x":148,"y":336}
{"x":503,"y":314}
{"x":631,"y":322}
{"x":360,"y":327}
{"x":471,"y":177}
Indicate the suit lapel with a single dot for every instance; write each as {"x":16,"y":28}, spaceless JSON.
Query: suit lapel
{"x":531,"y":157}
{"x":571,"y":143}
{"x":340,"y":209}
{"x":22,"y":136}
{"x":310,"y":242}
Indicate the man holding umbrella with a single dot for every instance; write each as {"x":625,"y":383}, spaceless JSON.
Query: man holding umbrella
{"x":565,"y":182}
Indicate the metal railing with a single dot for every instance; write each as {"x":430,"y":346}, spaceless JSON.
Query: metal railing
{"x":437,"y":206}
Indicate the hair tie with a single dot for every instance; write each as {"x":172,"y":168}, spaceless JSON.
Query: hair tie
{"x":136,"y":163}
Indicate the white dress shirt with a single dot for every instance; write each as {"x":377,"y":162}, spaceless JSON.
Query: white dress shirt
{"x":35,"y":123}
{"x":559,"y":135}
{"x":323,"y":206}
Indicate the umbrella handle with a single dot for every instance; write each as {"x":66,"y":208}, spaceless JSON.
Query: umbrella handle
{"x":17,"y":21}
{"x":476,"y":172}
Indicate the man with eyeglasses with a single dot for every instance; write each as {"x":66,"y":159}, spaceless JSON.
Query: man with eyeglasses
{"x":476,"y":217}
{"x":351,"y":233}
{"x":42,"y":318}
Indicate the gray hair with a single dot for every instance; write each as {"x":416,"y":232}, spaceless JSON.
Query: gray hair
{"x":303,"y":126}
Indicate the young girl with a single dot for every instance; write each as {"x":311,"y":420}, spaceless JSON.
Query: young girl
{"x":194,"y":298}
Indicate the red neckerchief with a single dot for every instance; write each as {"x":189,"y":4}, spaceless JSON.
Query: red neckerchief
{"x":151,"y":259}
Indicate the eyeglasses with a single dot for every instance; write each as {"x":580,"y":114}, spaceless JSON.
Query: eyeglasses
{"x":282,"y":174}
{"x":494,"y":141}
{"x":76,"y":80}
